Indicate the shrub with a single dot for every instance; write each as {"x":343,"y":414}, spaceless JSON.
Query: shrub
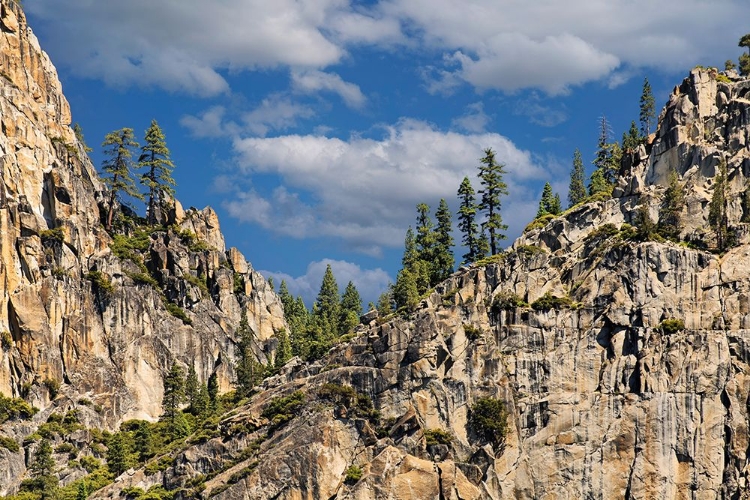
{"x":507,"y":301}
{"x":178,"y":312}
{"x":488,"y":420}
{"x":9,"y":444}
{"x":549,"y":301}
{"x":353,"y":474}
{"x":53,"y":387}
{"x":55,"y":235}
{"x":143,"y":278}
{"x":472,"y":332}
{"x":6,"y":340}
{"x":239,"y":284}
{"x":529,"y":250}
{"x":492,"y":259}
{"x":130,"y":247}
{"x":102,"y":282}
{"x":437,"y":436}
{"x":89,"y":463}
{"x":604,"y":231}
{"x":338,"y":394}
{"x":539,"y":222}
{"x":200,"y":283}
{"x":283,"y":408}
{"x":672,"y":325}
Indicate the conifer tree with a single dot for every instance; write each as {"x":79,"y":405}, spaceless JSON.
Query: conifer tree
{"x":546,"y":202}
{"x":82,"y":491}
{"x":118,"y":165}
{"x":327,"y":306}
{"x":577,"y":189}
{"x":385,"y":303}
{"x":191,"y":388}
{"x":143,"y":441}
{"x":174,"y":395}
{"x":491,"y":177}
{"x":43,"y":464}
{"x":670,"y":211}
{"x":284,"y":348}
{"x":717,"y":208}
{"x":117,"y":455}
{"x":443,"y":260}
{"x":425,"y":239}
{"x":405,"y":293}
{"x":632,"y":139}
{"x":213,"y":391}
{"x":202,"y":401}
{"x":647,"y":109}
{"x":745,"y":58}
{"x":158,"y":175}
{"x":411,"y":255}
{"x":351,"y":309}
{"x":729,"y":65}
{"x":249,"y":371}
{"x":467,"y":224}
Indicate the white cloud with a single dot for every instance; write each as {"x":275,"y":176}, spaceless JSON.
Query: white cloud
{"x":364,"y":191}
{"x":370,"y":283}
{"x":275,"y":112}
{"x":210,"y":123}
{"x":474,"y":120}
{"x":313,"y":81}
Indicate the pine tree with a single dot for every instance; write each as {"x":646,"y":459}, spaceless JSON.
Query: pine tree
{"x":191,"y":388}
{"x":117,"y":455}
{"x":467,"y":224}
{"x":78,"y":131}
{"x":717,"y":208}
{"x":745,"y":58}
{"x":608,"y":156}
{"x":43,"y":464}
{"x":491,"y":177}
{"x":174,"y":393}
{"x":249,"y":371}
{"x":385,"y":303}
{"x":647,"y":110}
{"x":577,"y":189}
{"x":118,"y":165}
{"x":632,"y":139}
{"x":158,"y":176}
{"x":405,"y":293}
{"x":443,"y":260}
{"x":202,"y":401}
{"x":351,"y":309}
{"x":143,"y":442}
{"x":729,"y":65}
{"x":82,"y":491}
{"x":670,"y":211}
{"x":425,"y":239}
{"x":284,"y":348}
{"x":213,"y":391}
{"x":327,"y":306}
{"x":546,"y":202}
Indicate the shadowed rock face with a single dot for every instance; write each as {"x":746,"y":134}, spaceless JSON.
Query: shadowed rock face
{"x":111,"y":347}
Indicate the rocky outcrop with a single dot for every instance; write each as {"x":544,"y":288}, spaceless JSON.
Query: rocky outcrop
{"x":76,"y":308}
{"x":633,"y":384}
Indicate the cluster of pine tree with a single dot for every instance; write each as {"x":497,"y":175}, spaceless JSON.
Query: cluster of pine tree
{"x":118,"y":168}
{"x":314,"y":332}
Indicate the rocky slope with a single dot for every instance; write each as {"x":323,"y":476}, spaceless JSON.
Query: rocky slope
{"x":59,"y":323}
{"x":604,"y":399}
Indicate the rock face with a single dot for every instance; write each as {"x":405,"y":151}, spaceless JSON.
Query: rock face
{"x":106,"y":336}
{"x":604,"y":398}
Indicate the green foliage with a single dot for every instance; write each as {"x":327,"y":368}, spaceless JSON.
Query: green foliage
{"x":141,"y":278}
{"x":158,"y":179}
{"x":405,"y":291}
{"x":723,"y":78}
{"x":174,"y":396}
{"x":488,"y":420}
{"x":190,"y":239}
{"x":442,"y":258}
{"x":605,"y":231}
{"x":550,"y":202}
{"x":351,"y":309}
{"x":159,"y":465}
{"x":342,"y":395}
{"x":491,"y":178}
{"x":352,"y":475}
{"x":577,"y":188}
{"x":672,"y":325}
{"x":548,"y":301}
{"x":472,"y":332}
{"x":102,"y":283}
{"x":745,"y":64}
{"x":53,"y":387}
{"x":249,"y":371}
{"x":632,"y":139}
{"x":437,"y":436}
{"x":647,"y":113}
{"x":717,"y":208}
{"x":282,"y":409}
{"x":238,"y":287}
{"x":505,"y":301}
{"x":529,"y":250}
{"x":467,"y":222}
{"x":6,"y":340}
{"x":52,"y":236}
{"x":178,"y":312}
{"x":9,"y":444}
{"x":284,"y":349}
{"x":646,"y":228}
{"x":491,"y":259}
{"x":117,"y":455}
{"x":130,"y":247}
{"x":43,"y":463}
{"x":670,"y":210}
{"x":118,"y":168}
{"x":198,"y":282}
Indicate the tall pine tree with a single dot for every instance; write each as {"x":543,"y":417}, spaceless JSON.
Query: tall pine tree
{"x":670,"y":211}
{"x":491,"y":177}
{"x":327,"y":307}
{"x":717,"y":208}
{"x":351,"y":309}
{"x":158,"y":175}
{"x":647,"y":113}
{"x":577,"y":189}
{"x":443,"y":260}
{"x":118,"y":166}
{"x":467,"y":221}
{"x":550,"y":202}
{"x":249,"y":371}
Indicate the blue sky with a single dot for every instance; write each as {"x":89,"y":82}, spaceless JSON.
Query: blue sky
{"x":314,"y":127}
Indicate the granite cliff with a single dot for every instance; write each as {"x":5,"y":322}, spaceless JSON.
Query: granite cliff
{"x":633,"y":382}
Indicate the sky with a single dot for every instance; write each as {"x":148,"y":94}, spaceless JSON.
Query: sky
{"x":315,"y":127}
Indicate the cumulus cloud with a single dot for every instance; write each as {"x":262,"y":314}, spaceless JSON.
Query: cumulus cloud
{"x":313,"y":81}
{"x":474,"y":120}
{"x":364,"y":190}
{"x":370,"y":283}
{"x":549,"y":45}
